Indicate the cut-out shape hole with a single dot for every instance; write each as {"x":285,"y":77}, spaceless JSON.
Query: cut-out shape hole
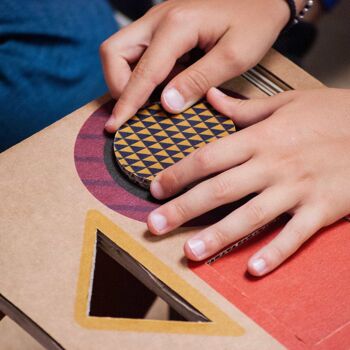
{"x":123,"y":288}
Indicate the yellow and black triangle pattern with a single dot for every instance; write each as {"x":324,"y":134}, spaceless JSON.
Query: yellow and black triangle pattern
{"x":153,"y":140}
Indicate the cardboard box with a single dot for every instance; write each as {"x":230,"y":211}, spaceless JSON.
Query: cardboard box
{"x":72,"y":229}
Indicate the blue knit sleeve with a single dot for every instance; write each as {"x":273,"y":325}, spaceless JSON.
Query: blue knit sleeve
{"x":329,"y":4}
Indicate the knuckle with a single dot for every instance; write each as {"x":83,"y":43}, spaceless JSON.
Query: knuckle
{"x":296,"y":166}
{"x":202,"y":158}
{"x":219,"y":238}
{"x":234,"y":59}
{"x":180,"y":211}
{"x":155,"y":8}
{"x":170,"y":181}
{"x":105,"y":48}
{"x":256,"y":214}
{"x":240,"y":104}
{"x":123,"y":100}
{"x":220,"y":188}
{"x":115,"y":91}
{"x":277,"y":253}
{"x":298,"y":235}
{"x":197,"y":81}
{"x":176,"y":16}
{"x":321,"y":215}
{"x":142,"y":71}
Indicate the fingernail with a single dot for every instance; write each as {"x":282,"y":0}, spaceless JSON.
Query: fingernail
{"x":174,"y":100}
{"x":197,"y":247}
{"x":259,"y":265}
{"x":218,"y":92}
{"x":158,"y":221}
{"x":156,"y":189}
{"x":110,"y":124}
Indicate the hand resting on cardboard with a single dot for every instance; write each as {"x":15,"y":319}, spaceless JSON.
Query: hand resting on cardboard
{"x":234,"y":35}
{"x":293,"y":151}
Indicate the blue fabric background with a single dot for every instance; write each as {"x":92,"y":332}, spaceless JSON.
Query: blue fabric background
{"x":49,"y":61}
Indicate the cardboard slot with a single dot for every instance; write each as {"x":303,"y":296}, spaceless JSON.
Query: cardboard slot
{"x":10,"y":310}
{"x":123,"y":288}
{"x":265,"y":81}
{"x":116,"y":292}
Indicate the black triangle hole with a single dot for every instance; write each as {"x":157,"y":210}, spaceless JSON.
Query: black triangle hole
{"x":123,"y":288}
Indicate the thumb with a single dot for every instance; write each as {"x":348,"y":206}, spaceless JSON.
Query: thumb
{"x":247,"y":112}
{"x":193,"y":83}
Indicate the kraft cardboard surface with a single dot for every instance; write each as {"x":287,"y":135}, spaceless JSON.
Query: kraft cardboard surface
{"x":13,"y":337}
{"x":44,"y":207}
{"x":49,"y":183}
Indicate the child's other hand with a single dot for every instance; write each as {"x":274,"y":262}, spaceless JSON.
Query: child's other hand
{"x":234,"y":34}
{"x":294,"y":152}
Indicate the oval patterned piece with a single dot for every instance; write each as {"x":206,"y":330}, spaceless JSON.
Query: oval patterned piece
{"x":153,"y":139}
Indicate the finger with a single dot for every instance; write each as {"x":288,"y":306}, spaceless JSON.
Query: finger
{"x":247,"y":112}
{"x":224,"y":188}
{"x":215,"y":157}
{"x":154,"y":66}
{"x":122,"y":49}
{"x":194,"y":82}
{"x":256,"y":213}
{"x":300,"y":228}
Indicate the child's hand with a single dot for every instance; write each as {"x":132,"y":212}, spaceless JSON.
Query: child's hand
{"x":234,"y":34}
{"x":294,"y":152}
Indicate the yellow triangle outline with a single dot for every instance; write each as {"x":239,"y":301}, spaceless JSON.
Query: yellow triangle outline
{"x":221,"y":324}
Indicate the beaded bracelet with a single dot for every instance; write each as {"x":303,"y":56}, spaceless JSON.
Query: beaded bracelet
{"x":294,"y":17}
